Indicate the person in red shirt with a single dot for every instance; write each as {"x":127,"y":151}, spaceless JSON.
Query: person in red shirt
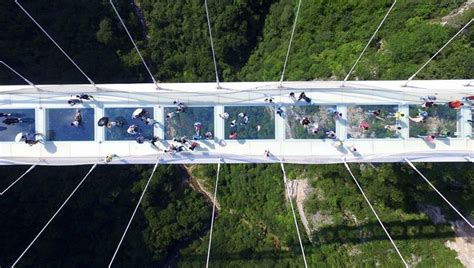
{"x":455,"y":104}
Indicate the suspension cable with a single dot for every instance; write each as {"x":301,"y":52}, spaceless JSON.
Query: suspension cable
{"x":23,"y":175}
{"x":56,"y":213}
{"x":368,"y":43}
{"x":285,"y":180}
{"x":375,"y":213}
{"x":134,"y":44}
{"x":54,"y":42}
{"x":17,"y":73}
{"x":438,"y":192}
{"x":134,"y":211}
{"x":436,"y":54}
{"x":289,"y":44}
{"x":212,"y":43}
{"x":213,"y":213}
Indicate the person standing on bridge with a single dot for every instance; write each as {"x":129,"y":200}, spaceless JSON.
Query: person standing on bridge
{"x":233,"y":123}
{"x":305,"y":122}
{"x":375,"y":113}
{"x":456,"y":104}
{"x":428,"y":101}
{"x":150,"y":121}
{"x":364,"y":126}
{"x":132,"y":129}
{"x":224,"y":115}
{"x":140,"y":139}
{"x":244,"y":119}
{"x":30,"y":138}
{"x":174,"y":149}
{"x":417,"y":119}
{"x":292,"y":97}
{"x":304,"y":97}
{"x":83,"y":96}
{"x":197,"y":128}
{"x":181,"y":140}
{"x":331,"y":134}
{"x":352,"y":148}
{"x":208,"y":135}
{"x":269,"y":99}
{"x":279,"y":111}
{"x":392,"y":128}
{"x":337,"y":115}
{"x":233,"y":135}
{"x":469,"y":99}
{"x":315,"y":128}
{"x":180,"y":107}
{"x":77,"y":119}
{"x":193,"y":146}
{"x":397,"y":115}
{"x":170,"y":115}
{"x":5,"y":114}
{"x":12,"y":120}
{"x":73,"y":102}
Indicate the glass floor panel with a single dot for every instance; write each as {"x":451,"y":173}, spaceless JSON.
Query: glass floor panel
{"x":182,"y":124}
{"x":261,"y":122}
{"x":58,"y":125}
{"x":441,"y":120}
{"x":372,"y":122}
{"x":27,"y":124}
{"x":321,"y":118}
{"x":123,"y":116}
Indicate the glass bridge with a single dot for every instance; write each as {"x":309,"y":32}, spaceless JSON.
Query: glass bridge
{"x":241,"y":122}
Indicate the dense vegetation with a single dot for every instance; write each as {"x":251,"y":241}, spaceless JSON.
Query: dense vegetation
{"x":254,"y":227}
{"x":89,"y":227}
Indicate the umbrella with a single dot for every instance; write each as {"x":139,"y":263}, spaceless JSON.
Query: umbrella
{"x":137,"y":113}
{"x":103,"y":121}
{"x":19,"y":137}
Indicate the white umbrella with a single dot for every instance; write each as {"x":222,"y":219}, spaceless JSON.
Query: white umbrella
{"x":18,"y":137}
{"x":137,"y":112}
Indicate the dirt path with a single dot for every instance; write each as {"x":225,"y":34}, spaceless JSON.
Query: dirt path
{"x":198,"y":185}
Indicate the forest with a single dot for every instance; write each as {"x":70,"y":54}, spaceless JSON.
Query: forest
{"x":254,"y":226}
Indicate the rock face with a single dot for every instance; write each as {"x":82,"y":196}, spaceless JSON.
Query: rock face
{"x":463,"y":243}
{"x":299,"y":190}
{"x":457,"y":13}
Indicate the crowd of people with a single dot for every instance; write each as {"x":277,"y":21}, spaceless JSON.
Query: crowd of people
{"x":428,"y":103}
{"x":241,"y":121}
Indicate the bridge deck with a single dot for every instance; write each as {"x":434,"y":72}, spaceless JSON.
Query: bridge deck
{"x":280,"y":141}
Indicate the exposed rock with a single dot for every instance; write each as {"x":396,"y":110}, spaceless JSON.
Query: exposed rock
{"x":457,"y":12}
{"x":463,"y":243}
{"x":300,"y":190}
